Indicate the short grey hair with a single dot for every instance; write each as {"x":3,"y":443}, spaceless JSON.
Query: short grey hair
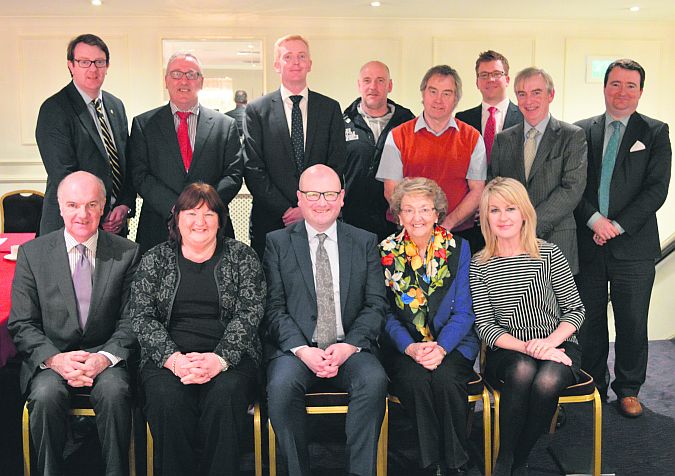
{"x":443,"y":70}
{"x":182,"y":54}
{"x":420,"y":186}
{"x":527,"y":73}
{"x":70,"y":176}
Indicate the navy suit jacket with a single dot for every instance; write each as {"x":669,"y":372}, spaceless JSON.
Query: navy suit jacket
{"x":474,"y":116}
{"x":638,"y":189}
{"x":271,"y":174}
{"x":158,"y":171}
{"x":291,"y":312}
{"x":44,"y":320}
{"x":69,"y":141}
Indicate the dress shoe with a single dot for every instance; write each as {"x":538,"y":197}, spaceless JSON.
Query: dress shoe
{"x":630,"y":407}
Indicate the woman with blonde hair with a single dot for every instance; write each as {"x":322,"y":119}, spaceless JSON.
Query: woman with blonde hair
{"x":528,"y":312}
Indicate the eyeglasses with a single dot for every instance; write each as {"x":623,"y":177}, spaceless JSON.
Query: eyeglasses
{"x":315,"y":196}
{"x":85,"y":63}
{"x":424,"y":212}
{"x":494,"y":75}
{"x":191,"y":75}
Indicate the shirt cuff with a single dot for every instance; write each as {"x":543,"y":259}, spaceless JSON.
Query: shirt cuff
{"x":295,"y":349}
{"x":594,"y":218}
{"x":114,"y":360}
{"x":618,"y":227}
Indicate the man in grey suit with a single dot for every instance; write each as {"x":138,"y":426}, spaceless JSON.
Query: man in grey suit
{"x":325,"y":311}
{"x":548,"y":157}
{"x":287,"y":131}
{"x":84,"y":128}
{"x":69,"y":292}
{"x":180,"y":143}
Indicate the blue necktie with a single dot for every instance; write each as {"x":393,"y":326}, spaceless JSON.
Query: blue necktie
{"x":297,"y":134}
{"x":608,"y":162}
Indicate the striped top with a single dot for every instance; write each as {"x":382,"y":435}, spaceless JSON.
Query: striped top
{"x":525,"y":297}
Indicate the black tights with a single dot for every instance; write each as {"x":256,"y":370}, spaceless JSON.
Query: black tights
{"x":529,"y":397}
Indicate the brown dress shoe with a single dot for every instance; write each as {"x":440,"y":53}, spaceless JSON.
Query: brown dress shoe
{"x":630,"y":407}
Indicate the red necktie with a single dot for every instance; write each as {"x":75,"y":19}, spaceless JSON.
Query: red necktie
{"x":184,"y":139}
{"x":489,"y":132}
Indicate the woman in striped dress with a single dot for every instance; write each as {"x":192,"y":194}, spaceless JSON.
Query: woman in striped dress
{"x":528,"y":312}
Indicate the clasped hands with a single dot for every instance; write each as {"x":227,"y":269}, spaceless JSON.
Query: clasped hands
{"x":325,"y":363}
{"x":542,"y":349}
{"x":78,"y":367}
{"x":604,"y":230}
{"x":428,"y":354}
{"x":194,"y":367}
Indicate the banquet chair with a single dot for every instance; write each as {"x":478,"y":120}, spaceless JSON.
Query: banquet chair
{"x":80,"y":405}
{"x":20,"y":211}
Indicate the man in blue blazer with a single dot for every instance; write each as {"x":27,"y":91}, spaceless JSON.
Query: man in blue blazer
{"x":70,"y":136}
{"x":629,"y":164}
{"x":69,"y":292}
{"x":278,"y":147}
{"x":325,"y":311}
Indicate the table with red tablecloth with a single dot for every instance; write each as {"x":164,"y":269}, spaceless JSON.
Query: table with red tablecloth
{"x":7,"y":267}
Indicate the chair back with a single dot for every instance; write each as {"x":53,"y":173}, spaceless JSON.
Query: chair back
{"x":20,"y":211}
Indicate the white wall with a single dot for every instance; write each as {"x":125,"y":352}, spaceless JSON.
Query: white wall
{"x":34,"y":68}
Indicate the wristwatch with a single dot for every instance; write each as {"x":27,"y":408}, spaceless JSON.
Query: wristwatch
{"x":223,"y":363}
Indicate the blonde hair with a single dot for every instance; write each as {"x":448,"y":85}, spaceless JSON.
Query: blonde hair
{"x":283,"y":39}
{"x":512,"y":192}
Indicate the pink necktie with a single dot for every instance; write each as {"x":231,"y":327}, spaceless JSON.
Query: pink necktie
{"x":184,"y":139}
{"x":82,"y":284}
{"x":489,"y":132}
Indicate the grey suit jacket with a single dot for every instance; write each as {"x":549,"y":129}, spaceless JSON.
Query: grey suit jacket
{"x":44,"y":321}
{"x":158,"y":171}
{"x":474,"y":117}
{"x":291,"y":312}
{"x":69,"y":141}
{"x":556,"y":182}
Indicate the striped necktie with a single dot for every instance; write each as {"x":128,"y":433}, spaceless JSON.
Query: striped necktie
{"x":109,"y":144}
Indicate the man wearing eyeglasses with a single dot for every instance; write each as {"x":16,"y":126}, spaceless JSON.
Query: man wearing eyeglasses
{"x":325,"y":311}
{"x":180,"y":143}
{"x":85,"y":128}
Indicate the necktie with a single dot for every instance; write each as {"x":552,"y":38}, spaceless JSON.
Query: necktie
{"x":608,"y":162}
{"x":110,"y":148}
{"x":530,"y":150}
{"x":184,"y":139}
{"x":82,"y":284}
{"x":489,"y":132}
{"x":297,"y":134}
{"x":326,"y":325}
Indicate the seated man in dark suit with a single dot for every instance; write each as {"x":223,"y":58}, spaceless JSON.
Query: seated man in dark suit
{"x":69,"y":291}
{"x":325,"y":311}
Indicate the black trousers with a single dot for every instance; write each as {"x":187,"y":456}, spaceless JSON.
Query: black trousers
{"x":49,"y":402}
{"x":630,"y":285}
{"x":436,"y":400}
{"x":288,"y":379}
{"x":191,"y":420}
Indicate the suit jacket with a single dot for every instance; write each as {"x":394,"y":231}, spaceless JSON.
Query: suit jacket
{"x":474,"y":117}
{"x":556,"y":182}
{"x":69,"y":141}
{"x":239,"y":115}
{"x":44,"y":321}
{"x":638,"y":189}
{"x":271,"y":173}
{"x":158,"y":171}
{"x":291,"y":312}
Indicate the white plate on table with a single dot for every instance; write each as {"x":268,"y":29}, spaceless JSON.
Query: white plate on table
{"x":10,"y":257}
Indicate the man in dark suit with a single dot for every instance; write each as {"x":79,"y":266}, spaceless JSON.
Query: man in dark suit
{"x":551,"y":164}
{"x":69,"y":292}
{"x":239,"y":111}
{"x":73,"y":134}
{"x":287,"y":131}
{"x":325,"y":311}
{"x":180,"y":143}
{"x":629,"y":163}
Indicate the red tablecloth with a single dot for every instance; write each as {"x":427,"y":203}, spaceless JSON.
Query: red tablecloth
{"x":7,"y":267}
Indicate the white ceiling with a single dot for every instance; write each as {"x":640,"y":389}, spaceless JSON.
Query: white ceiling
{"x":652,"y":10}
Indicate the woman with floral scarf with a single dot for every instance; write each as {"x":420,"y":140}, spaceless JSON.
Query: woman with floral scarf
{"x":429,"y":343}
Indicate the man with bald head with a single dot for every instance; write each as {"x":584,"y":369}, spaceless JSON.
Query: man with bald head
{"x":180,"y":143}
{"x":325,"y":311}
{"x":368,"y":120}
{"x":69,"y":292}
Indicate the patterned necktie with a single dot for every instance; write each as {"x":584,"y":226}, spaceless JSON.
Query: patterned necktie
{"x":184,"y":139}
{"x":326,"y":324}
{"x":110,"y":148}
{"x":297,"y":134}
{"x":82,"y":284}
{"x":489,"y":132}
{"x":608,"y":162}
{"x":530,"y":150}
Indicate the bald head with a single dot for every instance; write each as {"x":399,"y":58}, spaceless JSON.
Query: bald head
{"x":374,"y":85}
{"x":81,"y":198}
{"x":320,"y":210}
{"x":81,"y":179}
